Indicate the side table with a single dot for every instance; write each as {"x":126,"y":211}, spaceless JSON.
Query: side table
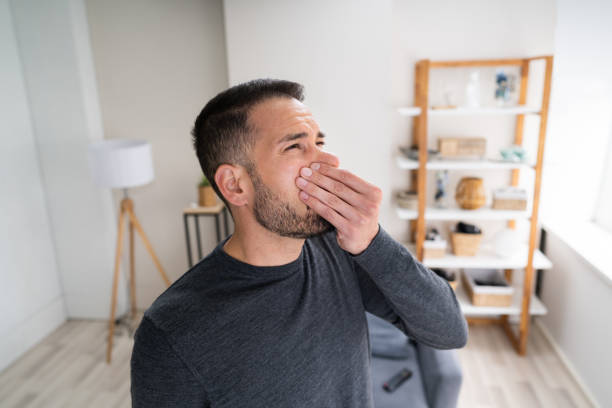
{"x":196,"y":212}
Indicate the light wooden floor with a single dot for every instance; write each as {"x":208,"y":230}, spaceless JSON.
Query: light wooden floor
{"x":494,"y":375}
{"x":68,"y":369}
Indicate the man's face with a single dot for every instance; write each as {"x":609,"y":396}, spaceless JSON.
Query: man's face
{"x":287,"y":139}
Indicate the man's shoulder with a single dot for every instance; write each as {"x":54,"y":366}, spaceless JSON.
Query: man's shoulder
{"x":185,"y":300}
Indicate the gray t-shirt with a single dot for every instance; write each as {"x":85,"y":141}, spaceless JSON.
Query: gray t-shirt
{"x":229,"y":334}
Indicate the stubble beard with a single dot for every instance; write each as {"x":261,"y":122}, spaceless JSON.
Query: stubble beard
{"x":276,"y":215}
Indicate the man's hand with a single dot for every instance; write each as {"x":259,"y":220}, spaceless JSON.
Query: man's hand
{"x":346,"y":201}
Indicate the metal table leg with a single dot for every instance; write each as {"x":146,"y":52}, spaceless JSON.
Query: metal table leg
{"x":225,"y":221}
{"x":189,"y":259}
{"x":217,"y":227}
{"x":198,"y":234}
{"x":197,"y":223}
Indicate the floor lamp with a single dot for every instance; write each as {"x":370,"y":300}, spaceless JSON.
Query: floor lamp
{"x":124,"y":164}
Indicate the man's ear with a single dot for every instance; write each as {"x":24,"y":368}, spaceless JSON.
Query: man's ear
{"x":232,"y":182}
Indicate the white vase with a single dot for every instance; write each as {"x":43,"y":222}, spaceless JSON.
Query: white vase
{"x":472,"y":91}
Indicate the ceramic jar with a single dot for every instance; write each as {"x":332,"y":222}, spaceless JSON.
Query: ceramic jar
{"x":470,"y":193}
{"x":207,"y":196}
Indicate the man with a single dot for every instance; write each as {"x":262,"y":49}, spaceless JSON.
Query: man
{"x":274,"y":316}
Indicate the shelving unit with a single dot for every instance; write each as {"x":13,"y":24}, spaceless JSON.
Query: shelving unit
{"x":525,"y":303}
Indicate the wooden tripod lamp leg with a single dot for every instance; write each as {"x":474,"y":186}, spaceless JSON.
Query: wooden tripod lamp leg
{"x":132,"y":271}
{"x":127,"y":208}
{"x":147,"y":245}
{"x":111,"y":322}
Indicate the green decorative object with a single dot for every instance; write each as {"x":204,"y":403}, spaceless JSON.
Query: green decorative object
{"x":204,"y":182}
{"x":206,"y":194}
{"x":514,"y":153}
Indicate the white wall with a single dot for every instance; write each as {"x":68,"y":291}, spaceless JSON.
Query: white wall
{"x":157,"y":64}
{"x":579,"y":300}
{"x":59,"y":78}
{"x":578,"y":291}
{"x":61,"y":229}
{"x":581,"y":108}
{"x":31,"y":300}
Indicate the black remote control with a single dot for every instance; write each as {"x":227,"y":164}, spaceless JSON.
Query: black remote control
{"x":397,"y":380}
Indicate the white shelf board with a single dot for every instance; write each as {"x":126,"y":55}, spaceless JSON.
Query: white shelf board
{"x":485,"y":110}
{"x":409,"y":111}
{"x":536,"y":307}
{"x":484,"y":213}
{"x":441,"y":164}
{"x":485,"y":258}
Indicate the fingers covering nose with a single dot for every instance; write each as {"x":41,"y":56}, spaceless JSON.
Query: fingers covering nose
{"x":328,"y":158}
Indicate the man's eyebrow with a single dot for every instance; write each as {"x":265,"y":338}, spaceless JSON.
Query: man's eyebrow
{"x":295,"y":136}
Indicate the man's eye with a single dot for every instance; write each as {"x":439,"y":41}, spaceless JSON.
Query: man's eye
{"x":298,"y":145}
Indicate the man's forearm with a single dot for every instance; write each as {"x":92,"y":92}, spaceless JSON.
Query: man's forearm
{"x":424,"y":302}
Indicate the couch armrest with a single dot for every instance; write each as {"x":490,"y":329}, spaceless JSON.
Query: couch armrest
{"x":442,"y":375}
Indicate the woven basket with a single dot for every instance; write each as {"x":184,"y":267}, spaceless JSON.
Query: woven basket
{"x":486,"y":295}
{"x":509,"y":204}
{"x":462,"y":146}
{"x":465,"y":244}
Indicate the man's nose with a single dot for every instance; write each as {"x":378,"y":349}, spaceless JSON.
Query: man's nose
{"x":327,"y":158}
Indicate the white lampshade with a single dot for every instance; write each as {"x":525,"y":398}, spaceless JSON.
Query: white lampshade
{"x":121,"y":163}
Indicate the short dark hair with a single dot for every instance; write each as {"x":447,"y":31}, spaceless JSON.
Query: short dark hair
{"x":222,"y":133}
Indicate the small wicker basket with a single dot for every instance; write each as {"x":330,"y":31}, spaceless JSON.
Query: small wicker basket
{"x":465,"y":244}
{"x":500,"y":296}
{"x":510,"y":198}
{"x":509,"y":204}
{"x":462,"y":146}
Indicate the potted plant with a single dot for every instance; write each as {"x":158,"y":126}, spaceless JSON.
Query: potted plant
{"x":206,"y":194}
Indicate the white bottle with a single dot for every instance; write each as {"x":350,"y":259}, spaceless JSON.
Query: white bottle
{"x":472,"y":91}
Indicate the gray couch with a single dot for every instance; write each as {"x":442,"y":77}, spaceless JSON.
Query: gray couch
{"x":436,"y":374}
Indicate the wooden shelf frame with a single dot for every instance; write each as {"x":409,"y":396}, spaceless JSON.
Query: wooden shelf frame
{"x":421,"y":113}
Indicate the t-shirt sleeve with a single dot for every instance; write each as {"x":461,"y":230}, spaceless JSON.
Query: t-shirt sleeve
{"x":395,"y":286}
{"x":159,"y":377}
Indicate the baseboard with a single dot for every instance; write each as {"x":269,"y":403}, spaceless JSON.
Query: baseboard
{"x":570,"y":367}
{"x":18,"y":340}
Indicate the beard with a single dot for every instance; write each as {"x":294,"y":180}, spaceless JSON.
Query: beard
{"x":276,"y":215}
